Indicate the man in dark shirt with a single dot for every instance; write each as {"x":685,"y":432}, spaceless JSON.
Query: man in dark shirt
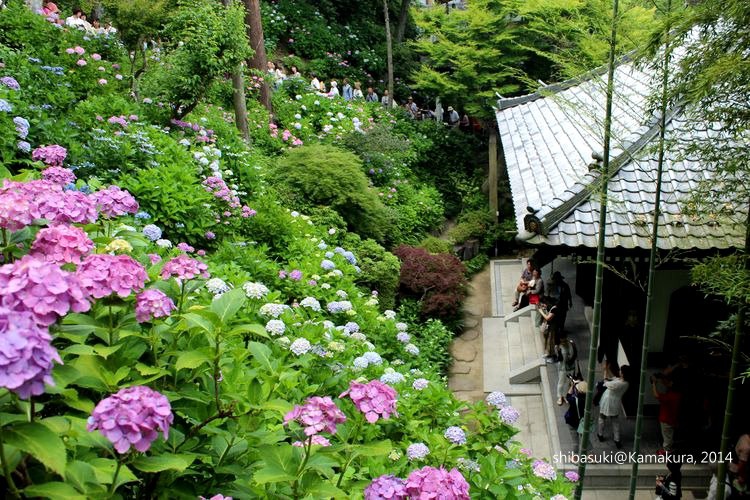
{"x":560,"y":290}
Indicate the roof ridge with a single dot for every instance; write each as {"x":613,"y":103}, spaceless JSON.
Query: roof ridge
{"x":581,"y":191}
{"x":555,"y":88}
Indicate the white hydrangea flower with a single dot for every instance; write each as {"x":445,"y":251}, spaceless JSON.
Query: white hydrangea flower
{"x":255,"y":290}
{"x":163,"y":243}
{"x":402,"y":327}
{"x":342,"y":294}
{"x":300,"y":346}
{"x":373,"y":358}
{"x":273,"y":310}
{"x":310,"y":303}
{"x":275,"y":327}
{"x":389,"y":314}
{"x":217,"y":286}
{"x":411,"y":349}
{"x":360,"y":363}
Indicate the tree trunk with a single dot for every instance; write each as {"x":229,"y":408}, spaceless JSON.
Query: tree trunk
{"x":734,"y":372}
{"x":238,"y":97}
{"x":259,"y":60}
{"x":597,"y":317}
{"x":652,"y":260}
{"x":403,"y":16}
{"x":389,"y":51}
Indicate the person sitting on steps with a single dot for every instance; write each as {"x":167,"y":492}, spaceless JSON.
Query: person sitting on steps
{"x":523,"y":283}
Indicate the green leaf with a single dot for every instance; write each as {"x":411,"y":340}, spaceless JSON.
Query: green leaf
{"x":378,"y":448}
{"x":195,"y":320}
{"x":324,"y":489}
{"x":262,"y":354}
{"x":80,"y":350}
{"x":191,"y":360}
{"x":254,"y":328}
{"x":228,"y":304}
{"x":54,"y":490}
{"x":280,"y":463}
{"x":163,"y":462}
{"x":40,"y":442}
{"x":105,"y":351}
{"x":79,"y":473}
{"x":104,"y":469}
{"x":322,"y":463}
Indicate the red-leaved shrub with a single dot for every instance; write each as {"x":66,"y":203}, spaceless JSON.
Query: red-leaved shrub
{"x":436,"y":279}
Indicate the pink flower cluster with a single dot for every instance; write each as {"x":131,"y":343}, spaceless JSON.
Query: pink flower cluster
{"x":121,"y":120}
{"x":152,"y":304}
{"x":429,"y":482}
{"x":62,"y":244}
{"x":59,"y":175}
{"x":248,"y":212}
{"x":133,"y":416}
{"x":386,"y":487}
{"x":101,"y":275}
{"x":41,"y":288}
{"x":318,"y":414}
{"x":184,"y":268}
{"x":185,"y":247}
{"x":219,"y":189}
{"x":52,"y":155}
{"x":375,"y":399}
{"x":26,"y":354}
{"x":316,"y":440}
{"x":114,"y":201}
{"x":23,"y":202}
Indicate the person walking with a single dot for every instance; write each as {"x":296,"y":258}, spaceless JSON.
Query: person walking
{"x":616,"y":383}
{"x":548,"y":312}
{"x":669,"y":407}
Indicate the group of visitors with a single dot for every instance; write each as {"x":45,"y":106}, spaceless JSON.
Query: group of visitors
{"x":77,"y":20}
{"x":352,"y":91}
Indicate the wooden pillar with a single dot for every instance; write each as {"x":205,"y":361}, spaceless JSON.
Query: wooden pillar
{"x":492,"y":181}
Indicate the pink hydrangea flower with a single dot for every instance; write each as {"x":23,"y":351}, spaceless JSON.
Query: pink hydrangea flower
{"x":41,"y":288}
{"x":218,"y":496}
{"x":375,"y":399}
{"x":386,"y":487}
{"x":318,"y":414}
{"x":70,"y":50}
{"x":96,"y":57}
{"x":114,"y":201}
{"x":132,"y":417}
{"x":572,"y":476}
{"x":295,"y":275}
{"x":81,"y":62}
{"x":58,"y":175}
{"x":65,"y":207}
{"x":62,"y":244}
{"x":429,"y":482}
{"x":102,"y":81}
{"x":154,"y":258}
{"x":15,"y":209}
{"x":248,"y":212}
{"x":183,"y":267}
{"x":79,"y":50}
{"x":152,"y":304}
{"x":26,"y":354}
{"x":102,"y":275}
{"x":52,"y":155}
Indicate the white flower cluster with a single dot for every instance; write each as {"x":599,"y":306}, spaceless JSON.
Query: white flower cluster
{"x":276,"y":327}
{"x":255,"y":290}
{"x":273,"y":310}
{"x":310,"y":303}
{"x":412,"y":349}
{"x":217,"y":286}
{"x":300,"y":346}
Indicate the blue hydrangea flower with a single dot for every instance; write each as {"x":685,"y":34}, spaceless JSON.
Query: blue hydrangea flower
{"x":339,"y":250}
{"x":496,"y":399}
{"x":412,"y":349}
{"x":351,"y":327}
{"x":23,"y":146}
{"x":276,"y":327}
{"x":322,"y":245}
{"x":509,"y":415}
{"x":327,"y":265}
{"x":417,"y":451}
{"x":391,"y":377}
{"x":143,"y":215}
{"x":349,"y":256}
{"x":22,"y":126}
{"x":152,"y":232}
{"x":339,"y":306}
{"x":360,"y":363}
{"x":5,"y":106}
{"x":373,"y":358}
{"x":329,"y":255}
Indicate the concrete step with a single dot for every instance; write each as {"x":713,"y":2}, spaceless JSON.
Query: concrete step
{"x":526,"y":373}
{"x":530,"y":389}
{"x":531,"y":352}
{"x":514,"y":352}
{"x":515,"y":315}
{"x":494,"y":354}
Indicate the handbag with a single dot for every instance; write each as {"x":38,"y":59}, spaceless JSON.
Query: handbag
{"x":577,"y":375}
{"x":534,"y":298}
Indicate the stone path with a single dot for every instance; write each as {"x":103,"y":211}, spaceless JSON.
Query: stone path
{"x":466,"y":375}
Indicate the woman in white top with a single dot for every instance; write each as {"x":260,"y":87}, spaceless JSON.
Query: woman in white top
{"x":611,"y":402}
{"x":357,"y":93}
{"x":334,"y":92}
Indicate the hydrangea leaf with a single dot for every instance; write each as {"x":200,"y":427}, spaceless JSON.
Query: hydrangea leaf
{"x":262,"y":354}
{"x":280,"y":464}
{"x":191,"y":360}
{"x":53,"y":490}
{"x":40,"y":442}
{"x":163,"y":462}
{"x":228,"y":304}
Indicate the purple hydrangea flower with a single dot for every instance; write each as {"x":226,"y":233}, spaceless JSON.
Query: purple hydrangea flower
{"x":509,"y":415}
{"x":455,"y":435}
{"x":318,"y":414}
{"x":23,"y":146}
{"x":26,"y":354}
{"x":496,"y":399}
{"x":572,"y":476}
{"x":327,"y":265}
{"x":132,"y":417}
{"x":339,"y":306}
{"x":544,"y":470}
{"x":429,"y":482}
{"x":295,"y":275}
{"x":218,"y":496}
{"x":10,"y":82}
{"x":386,"y":487}
{"x":375,"y":399}
{"x":22,"y":126}
{"x":152,"y":232}
{"x":403,"y":337}
{"x":420,"y":384}
{"x":59,"y":175}
{"x":41,"y":288}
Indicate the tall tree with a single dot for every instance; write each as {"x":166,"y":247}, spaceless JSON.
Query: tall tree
{"x":597,"y":316}
{"x":238,"y":96}
{"x":647,"y":327}
{"x":259,"y":61}
{"x":403,"y":17}
{"x":389,"y":49}
{"x":714,"y":77}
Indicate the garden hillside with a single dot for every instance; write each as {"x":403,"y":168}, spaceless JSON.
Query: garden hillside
{"x":184,"y":313}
